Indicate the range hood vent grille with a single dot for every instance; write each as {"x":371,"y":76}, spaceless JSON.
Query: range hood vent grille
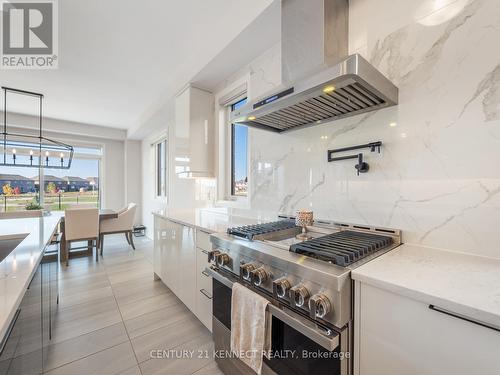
{"x":346,"y":101}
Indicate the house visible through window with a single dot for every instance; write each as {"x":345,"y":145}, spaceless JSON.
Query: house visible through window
{"x":239,"y":155}
{"x":161,"y":168}
{"x":24,"y":188}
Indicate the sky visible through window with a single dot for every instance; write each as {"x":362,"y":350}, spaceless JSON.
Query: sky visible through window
{"x":240,"y":155}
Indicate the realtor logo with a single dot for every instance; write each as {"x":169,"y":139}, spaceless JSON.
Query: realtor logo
{"x":29,"y":34}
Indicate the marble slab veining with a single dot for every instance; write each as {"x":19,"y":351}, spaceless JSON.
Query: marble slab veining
{"x":435,"y":177}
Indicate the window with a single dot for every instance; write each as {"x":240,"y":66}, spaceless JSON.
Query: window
{"x":78,"y":185}
{"x":239,"y":156}
{"x":161,"y":168}
{"x":53,"y":189}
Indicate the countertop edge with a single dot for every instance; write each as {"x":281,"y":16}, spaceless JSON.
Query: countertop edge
{"x":430,"y":299}
{"x":4,"y":327}
{"x":183,"y":222}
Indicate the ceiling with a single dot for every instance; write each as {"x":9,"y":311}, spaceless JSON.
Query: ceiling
{"x":117,"y":57}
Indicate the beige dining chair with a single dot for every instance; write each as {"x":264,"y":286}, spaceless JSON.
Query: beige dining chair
{"x":20,"y":214}
{"x":81,"y":205}
{"x":122,"y":224}
{"x":82,"y":224}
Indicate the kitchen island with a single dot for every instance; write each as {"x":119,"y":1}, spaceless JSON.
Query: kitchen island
{"x":18,"y":268}
{"x":181,"y":246}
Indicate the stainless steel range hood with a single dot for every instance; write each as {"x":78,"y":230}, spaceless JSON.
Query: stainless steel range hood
{"x":320,"y":84}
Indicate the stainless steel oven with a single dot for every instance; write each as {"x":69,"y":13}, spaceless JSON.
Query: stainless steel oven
{"x":299,"y":345}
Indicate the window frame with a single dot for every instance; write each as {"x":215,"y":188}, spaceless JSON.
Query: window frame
{"x":158,"y":170}
{"x":231,"y":107}
{"x":79,"y":153}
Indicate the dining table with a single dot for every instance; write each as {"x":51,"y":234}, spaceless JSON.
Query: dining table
{"x":104,"y":214}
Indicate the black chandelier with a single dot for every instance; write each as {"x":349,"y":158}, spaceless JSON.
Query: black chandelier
{"x":23,"y":150}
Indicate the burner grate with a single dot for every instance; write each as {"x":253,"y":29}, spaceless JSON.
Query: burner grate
{"x":250,"y":231}
{"x":342,"y":248}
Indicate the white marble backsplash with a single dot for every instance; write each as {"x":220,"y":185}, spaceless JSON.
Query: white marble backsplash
{"x":437,"y":176}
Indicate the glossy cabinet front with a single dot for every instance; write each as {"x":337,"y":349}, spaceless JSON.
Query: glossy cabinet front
{"x":179,"y":263}
{"x":26,"y":345}
{"x":175,"y":259}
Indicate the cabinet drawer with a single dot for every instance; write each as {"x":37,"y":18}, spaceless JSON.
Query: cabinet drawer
{"x":204,"y":307}
{"x":204,"y":281}
{"x":203,"y":240}
{"x":398,"y":335}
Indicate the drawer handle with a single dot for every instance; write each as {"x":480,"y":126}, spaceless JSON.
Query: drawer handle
{"x":205,"y":293}
{"x":462,"y":317}
{"x":204,"y":252}
{"x":205,"y":274}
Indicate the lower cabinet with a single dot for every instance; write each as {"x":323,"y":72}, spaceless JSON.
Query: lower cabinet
{"x":397,"y":335}
{"x":179,"y":262}
{"x":203,"y":289}
{"x":186,"y":271}
{"x":25,"y":346}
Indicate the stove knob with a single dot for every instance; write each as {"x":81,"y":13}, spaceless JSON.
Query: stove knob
{"x":212,"y":255}
{"x":246,"y":271}
{"x":319,"y":306}
{"x":259,"y":276}
{"x":299,"y":295}
{"x":282,"y":286}
{"x":222,"y":259}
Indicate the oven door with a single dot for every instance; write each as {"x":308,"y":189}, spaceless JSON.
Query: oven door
{"x":299,"y":346}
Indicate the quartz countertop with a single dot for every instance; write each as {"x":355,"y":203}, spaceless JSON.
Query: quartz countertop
{"x":17,"y":269}
{"x":461,"y":283}
{"x":214,"y":219}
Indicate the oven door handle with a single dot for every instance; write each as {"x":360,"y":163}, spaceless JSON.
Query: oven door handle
{"x":327,"y":338}
{"x":217,"y":276}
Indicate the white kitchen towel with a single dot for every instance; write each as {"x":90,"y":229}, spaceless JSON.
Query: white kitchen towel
{"x":250,"y":326}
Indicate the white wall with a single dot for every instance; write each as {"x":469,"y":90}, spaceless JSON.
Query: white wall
{"x":133,"y":176}
{"x":436,"y":178}
{"x":183,"y":193}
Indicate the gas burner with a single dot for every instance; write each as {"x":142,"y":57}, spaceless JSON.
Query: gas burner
{"x":252,"y":232}
{"x":342,"y":248}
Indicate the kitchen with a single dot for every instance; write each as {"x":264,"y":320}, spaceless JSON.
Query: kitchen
{"x":307,"y":183}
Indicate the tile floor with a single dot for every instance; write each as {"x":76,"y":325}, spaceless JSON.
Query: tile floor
{"x":112,"y":314}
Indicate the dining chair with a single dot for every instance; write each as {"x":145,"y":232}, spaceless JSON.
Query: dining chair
{"x":81,"y":205}
{"x":20,"y":214}
{"x":122,"y":224}
{"x":82,"y":224}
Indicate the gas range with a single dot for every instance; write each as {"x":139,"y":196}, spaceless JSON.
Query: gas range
{"x":309,"y":277}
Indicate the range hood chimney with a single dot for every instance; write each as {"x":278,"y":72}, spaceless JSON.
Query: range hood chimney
{"x":314,"y":35}
{"x":320,"y":82}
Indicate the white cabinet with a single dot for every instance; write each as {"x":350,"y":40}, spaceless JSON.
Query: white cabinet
{"x":180,"y":258}
{"x":185,"y":267}
{"x":396,"y":335}
{"x":203,"y":280}
{"x":170,"y":256}
{"x":194,"y":132}
{"x":160,"y":234}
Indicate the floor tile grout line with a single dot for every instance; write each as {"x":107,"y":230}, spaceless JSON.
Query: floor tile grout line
{"x":149,"y":312}
{"x":183,"y":343}
{"x":88,"y":355}
{"x":165,"y":326}
{"x":126,"y":330}
{"x":106,"y":271}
